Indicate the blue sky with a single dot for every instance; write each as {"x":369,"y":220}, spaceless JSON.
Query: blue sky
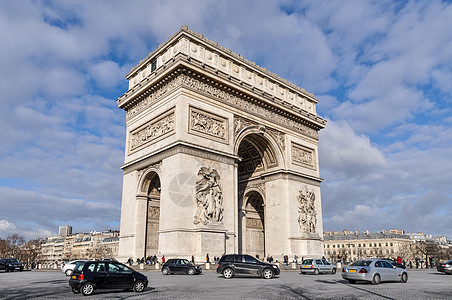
{"x":382,"y":71}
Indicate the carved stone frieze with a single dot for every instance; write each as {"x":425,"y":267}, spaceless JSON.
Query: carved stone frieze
{"x":307,"y":214}
{"x":152,"y":130}
{"x":254,"y":223}
{"x":208,"y":124}
{"x":154,"y":212}
{"x":247,"y":105}
{"x":303,"y":156}
{"x":208,"y":197}
{"x":156,"y":94}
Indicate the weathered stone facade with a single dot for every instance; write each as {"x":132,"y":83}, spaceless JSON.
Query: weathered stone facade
{"x":217,"y":152}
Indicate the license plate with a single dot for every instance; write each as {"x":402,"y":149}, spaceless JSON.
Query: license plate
{"x":352,"y":271}
{"x":305,"y":266}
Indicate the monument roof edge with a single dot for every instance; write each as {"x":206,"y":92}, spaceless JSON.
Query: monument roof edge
{"x":228,"y":52}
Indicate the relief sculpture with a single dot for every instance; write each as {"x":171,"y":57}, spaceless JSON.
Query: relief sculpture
{"x":207,"y":124}
{"x":208,"y":197}
{"x":307,"y":215}
{"x":152,"y":131}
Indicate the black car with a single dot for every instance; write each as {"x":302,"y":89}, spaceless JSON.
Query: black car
{"x":445,"y":267}
{"x":180,"y":266}
{"x":91,"y":275}
{"x":11,"y":264}
{"x":238,"y":264}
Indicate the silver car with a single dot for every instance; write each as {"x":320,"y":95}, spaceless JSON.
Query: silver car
{"x":316,"y":266}
{"x":374,"y":271}
{"x":68,"y":267}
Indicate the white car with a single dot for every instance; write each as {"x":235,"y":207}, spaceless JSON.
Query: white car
{"x":68,"y":267}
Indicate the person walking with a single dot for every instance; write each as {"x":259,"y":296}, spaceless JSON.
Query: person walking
{"x":163,"y":259}
{"x":207,"y":258}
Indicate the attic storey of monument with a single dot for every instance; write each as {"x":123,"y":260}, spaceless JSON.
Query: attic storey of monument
{"x":221,"y":157}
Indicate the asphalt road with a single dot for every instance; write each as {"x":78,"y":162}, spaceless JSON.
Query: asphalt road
{"x":424,"y":284}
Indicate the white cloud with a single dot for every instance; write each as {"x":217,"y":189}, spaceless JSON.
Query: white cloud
{"x":342,"y":150}
{"x":5,"y":225}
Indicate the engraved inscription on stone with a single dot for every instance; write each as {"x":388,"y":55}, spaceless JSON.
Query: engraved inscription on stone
{"x":152,"y":130}
{"x":208,"y":124}
{"x":303,"y":156}
{"x":208,"y":197}
{"x":307,"y":215}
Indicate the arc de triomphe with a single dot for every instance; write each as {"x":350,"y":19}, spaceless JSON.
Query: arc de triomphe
{"x":221,"y":157}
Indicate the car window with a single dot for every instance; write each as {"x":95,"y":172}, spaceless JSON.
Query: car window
{"x":170,"y":261}
{"x":117,"y":268}
{"x":238,"y":258}
{"x":387,"y":264}
{"x":79,"y":267}
{"x":185,"y":262}
{"x":178,"y":262}
{"x":361,"y":263}
{"x":307,"y":262}
{"x":319,"y":262}
{"x":101,"y":267}
{"x":379,"y":264}
{"x":325,"y":262}
{"x":91,"y":267}
{"x":250,"y":259}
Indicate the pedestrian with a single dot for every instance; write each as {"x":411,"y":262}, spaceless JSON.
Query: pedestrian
{"x":130,"y":261}
{"x":192,"y":259}
{"x":163,"y":259}
{"x":207,"y":258}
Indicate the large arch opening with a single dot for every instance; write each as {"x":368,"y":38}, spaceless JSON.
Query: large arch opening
{"x":151,"y":187}
{"x":257,"y":156}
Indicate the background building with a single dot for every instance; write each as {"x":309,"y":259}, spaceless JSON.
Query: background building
{"x":93,"y":245}
{"x":352,"y":245}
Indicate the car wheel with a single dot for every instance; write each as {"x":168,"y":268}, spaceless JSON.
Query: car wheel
{"x":138,"y":286}
{"x":87,"y":289}
{"x":191,"y":271}
{"x":404,"y":277}
{"x":165,"y":271}
{"x":316,"y":271}
{"x":228,"y":273}
{"x":75,"y":290}
{"x":376,"y":279}
{"x":68,"y":272}
{"x":268,"y":274}
{"x":351,"y":281}
{"x":333,"y":271}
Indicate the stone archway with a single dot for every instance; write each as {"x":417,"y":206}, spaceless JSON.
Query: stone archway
{"x":257,"y":157}
{"x":151,"y":188}
{"x":254,"y":225}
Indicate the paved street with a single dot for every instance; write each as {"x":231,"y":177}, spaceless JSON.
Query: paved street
{"x":425,"y":284}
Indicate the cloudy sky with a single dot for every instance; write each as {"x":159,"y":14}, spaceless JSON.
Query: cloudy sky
{"x":382,"y":72}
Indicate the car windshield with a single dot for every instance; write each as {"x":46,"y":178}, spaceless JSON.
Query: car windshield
{"x":361,"y":263}
{"x":12,"y":260}
{"x":307,"y":262}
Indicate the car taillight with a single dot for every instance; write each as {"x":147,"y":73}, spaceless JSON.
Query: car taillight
{"x":363,"y":270}
{"x":312,"y":266}
{"x":81,"y":277}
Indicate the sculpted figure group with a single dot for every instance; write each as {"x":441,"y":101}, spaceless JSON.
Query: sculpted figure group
{"x":208,"y":197}
{"x":307,"y":216}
